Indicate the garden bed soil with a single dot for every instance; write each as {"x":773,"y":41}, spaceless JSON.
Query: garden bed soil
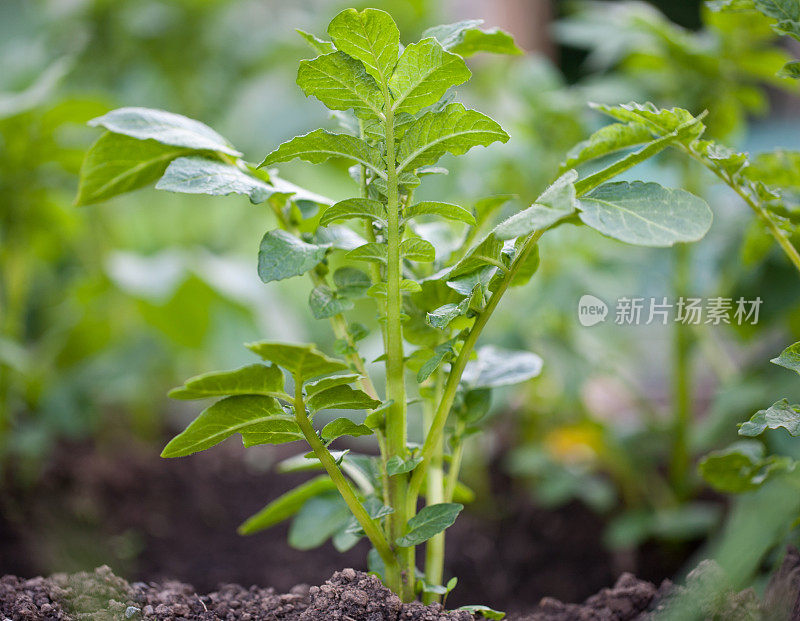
{"x":155,"y":519}
{"x":356,"y":596}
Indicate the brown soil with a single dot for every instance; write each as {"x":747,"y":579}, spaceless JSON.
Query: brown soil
{"x":155,"y":519}
{"x":100,"y":596}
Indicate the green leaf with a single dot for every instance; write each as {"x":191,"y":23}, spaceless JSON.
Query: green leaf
{"x":398,"y":465}
{"x":487,"y":252}
{"x":779,"y":9}
{"x":657,"y":120}
{"x":780,"y":168}
{"x":445,"y":210}
{"x":645,"y":214}
{"x":554,"y":204}
{"x":281,"y":255}
{"x":528,"y":268}
{"x":500,"y":367}
{"x":116,"y":164}
{"x":370,"y":36}
{"x":607,"y":140}
{"x":466,"y":38}
{"x":259,"y":420}
{"x":320,"y":145}
{"x":318,"y":45}
{"x":741,"y":467}
{"x":423,"y":74}
{"x":442,"y":316}
{"x":319,"y":519}
{"x":790,"y":70}
{"x":341,"y":83}
{"x":253,"y":379}
{"x":303,"y":360}
{"x":452,"y":130}
{"x":417,"y":249}
{"x":164,"y":127}
{"x":440,"y":354}
{"x":325,"y":303}
{"x":779,"y":414}
{"x":789,"y":358}
{"x":430,"y":521}
{"x":201,"y":175}
{"x":351,"y":282}
{"x":329,"y":382}
{"x":485,"y":611}
{"x":722,"y":157}
{"x":372,"y":252}
{"x":343,"y":427}
{"x":286,"y":505}
{"x":354,"y":208}
{"x":341,"y":397}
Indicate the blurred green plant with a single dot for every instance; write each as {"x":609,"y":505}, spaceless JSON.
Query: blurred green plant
{"x":434,"y":286}
{"x":723,"y":68}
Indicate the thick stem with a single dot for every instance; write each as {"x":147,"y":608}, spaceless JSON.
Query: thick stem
{"x":434,"y":494}
{"x":396,"y":427}
{"x":370,"y":526}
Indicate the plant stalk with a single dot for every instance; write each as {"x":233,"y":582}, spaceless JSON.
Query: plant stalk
{"x":396,"y":425}
{"x":436,"y":432}
{"x":371,"y":528}
{"x":434,"y":494}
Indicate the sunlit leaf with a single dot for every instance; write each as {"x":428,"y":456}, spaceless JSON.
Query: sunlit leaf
{"x":607,"y":140}
{"x":453,"y":130}
{"x":201,"y":175}
{"x":370,"y":36}
{"x":467,"y":38}
{"x":445,"y":210}
{"x":354,"y":208}
{"x":341,"y":83}
{"x":253,"y":379}
{"x":259,"y":420}
{"x":165,"y":127}
{"x":645,"y":214}
{"x":303,"y":360}
{"x":789,"y":358}
{"x":320,"y":145}
{"x":423,"y":74}
{"x":555,"y":203}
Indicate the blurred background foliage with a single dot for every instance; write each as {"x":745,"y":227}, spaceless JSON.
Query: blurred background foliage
{"x":103,"y":308}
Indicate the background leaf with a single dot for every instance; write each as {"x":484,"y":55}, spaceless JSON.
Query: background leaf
{"x":201,"y":175}
{"x":645,"y":214}
{"x":286,"y":505}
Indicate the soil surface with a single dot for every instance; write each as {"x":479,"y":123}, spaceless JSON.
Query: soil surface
{"x":155,"y":519}
{"x":355,"y":596}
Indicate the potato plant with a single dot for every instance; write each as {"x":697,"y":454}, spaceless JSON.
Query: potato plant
{"x":433,"y":271}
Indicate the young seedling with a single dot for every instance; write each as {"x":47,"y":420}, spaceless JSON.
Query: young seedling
{"x":432,"y":297}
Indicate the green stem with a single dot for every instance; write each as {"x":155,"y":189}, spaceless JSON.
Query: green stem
{"x":455,"y":463}
{"x":434,"y":494}
{"x":370,"y":526}
{"x":396,"y":425}
{"x":436,"y":432}
{"x":787,"y":247}
{"x":682,"y":383}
